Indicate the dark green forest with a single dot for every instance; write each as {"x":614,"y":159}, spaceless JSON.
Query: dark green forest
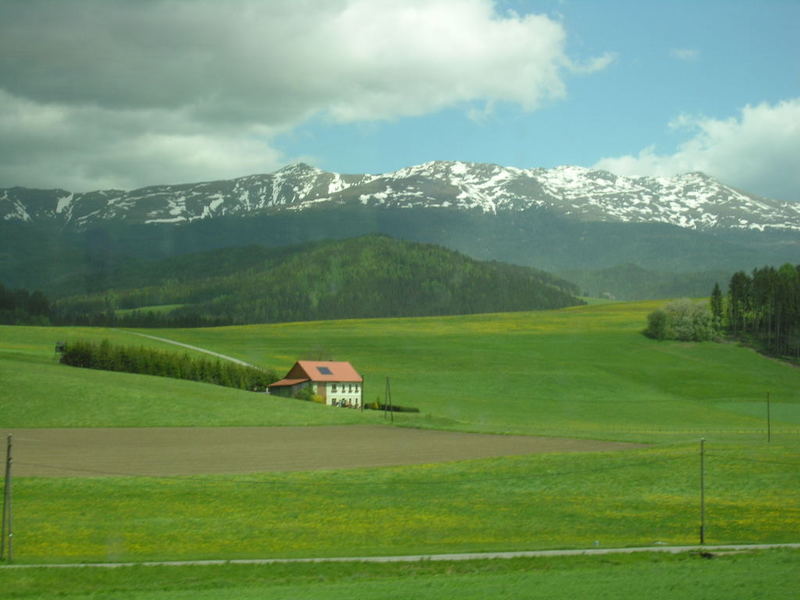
{"x":369,"y":276}
{"x":763,"y":308}
{"x":632,"y":282}
{"x":64,"y":261}
{"x":22,"y":307}
{"x":147,"y":361}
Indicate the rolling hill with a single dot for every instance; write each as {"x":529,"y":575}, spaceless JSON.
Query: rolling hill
{"x":584,"y":372}
{"x":370,"y":276}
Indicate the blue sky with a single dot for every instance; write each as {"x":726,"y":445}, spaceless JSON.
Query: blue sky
{"x":163,"y":92}
{"x":703,"y":59}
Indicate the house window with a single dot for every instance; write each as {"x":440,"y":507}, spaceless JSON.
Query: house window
{"x":333,"y":388}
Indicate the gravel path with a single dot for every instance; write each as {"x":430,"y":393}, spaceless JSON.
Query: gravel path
{"x":424,"y":557}
{"x":190,"y":347}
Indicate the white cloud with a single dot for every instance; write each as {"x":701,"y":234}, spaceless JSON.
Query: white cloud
{"x":758,"y":151}
{"x":190,"y":76}
{"x":684,"y":53}
{"x":88,"y":147}
{"x":595,"y":64}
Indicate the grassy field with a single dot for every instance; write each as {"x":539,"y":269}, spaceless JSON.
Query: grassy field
{"x":583,"y":372}
{"x":632,"y":498}
{"x":772,"y":574}
{"x":39,"y":392}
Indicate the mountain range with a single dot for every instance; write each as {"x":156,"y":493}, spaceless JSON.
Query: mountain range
{"x":627,"y":237}
{"x":693,"y":200}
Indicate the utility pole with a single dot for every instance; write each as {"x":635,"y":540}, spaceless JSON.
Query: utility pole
{"x":769,"y":422}
{"x":388,"y":400}
{"x":8,"y":523}
{"x":702,"y":493}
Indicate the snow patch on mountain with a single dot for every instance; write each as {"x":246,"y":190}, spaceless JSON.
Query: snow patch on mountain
{"x":691,"y":200}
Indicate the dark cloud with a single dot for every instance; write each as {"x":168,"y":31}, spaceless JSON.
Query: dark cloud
{"x":106,"y":75}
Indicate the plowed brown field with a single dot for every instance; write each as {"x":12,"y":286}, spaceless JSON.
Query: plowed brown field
{"x":190,"y":451}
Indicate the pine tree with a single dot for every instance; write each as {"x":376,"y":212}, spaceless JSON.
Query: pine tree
{"x":716,"y":307}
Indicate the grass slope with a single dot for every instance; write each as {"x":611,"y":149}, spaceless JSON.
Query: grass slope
{"x":583,"y":372}
{"x":771,"y":574}
{"x":635,"y":498}
{"x":579,"y":372}
{"x":37,"y":391}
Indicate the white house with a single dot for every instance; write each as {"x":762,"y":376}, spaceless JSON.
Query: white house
{"x":338,"y":383}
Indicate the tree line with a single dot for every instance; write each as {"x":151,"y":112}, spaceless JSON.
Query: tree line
{"x":137,"y":318}
{"x":148,"y":361}
{"x":22,"y":307}
{"x":763,"y":307}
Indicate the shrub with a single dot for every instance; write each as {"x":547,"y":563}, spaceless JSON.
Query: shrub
{"x":682,"y":320}
{"x":657,"y":325}
{"x":392,"y":408}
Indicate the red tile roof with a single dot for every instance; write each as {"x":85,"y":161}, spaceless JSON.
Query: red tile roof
{"x":330,"y":371}
{"x":287,"y":382}
{"x":325,"y":370}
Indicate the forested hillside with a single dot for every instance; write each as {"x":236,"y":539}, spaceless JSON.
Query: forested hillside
{"x":631,"y":282}
{"x":63,"y":262}
{"x":21,"y":307}
{"x":370,"y":276}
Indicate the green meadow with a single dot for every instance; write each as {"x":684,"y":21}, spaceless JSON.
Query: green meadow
{"x":40,"y":392}
{"x":581,"y":372}
{"x":551,"y":501}
{"x":771,"y":574}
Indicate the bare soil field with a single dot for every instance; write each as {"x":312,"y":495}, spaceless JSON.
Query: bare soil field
{"x":190,"y":451}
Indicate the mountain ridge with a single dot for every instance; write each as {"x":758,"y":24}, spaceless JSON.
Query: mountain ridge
{"x":691,"y":201}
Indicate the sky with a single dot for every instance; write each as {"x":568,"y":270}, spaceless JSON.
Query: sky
{"x":98,"y":94}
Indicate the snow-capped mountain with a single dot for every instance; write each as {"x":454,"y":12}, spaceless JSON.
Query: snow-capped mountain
{"x":693,"y":200}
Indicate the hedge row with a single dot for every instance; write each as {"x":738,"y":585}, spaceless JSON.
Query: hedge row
{"x":147,"y":361}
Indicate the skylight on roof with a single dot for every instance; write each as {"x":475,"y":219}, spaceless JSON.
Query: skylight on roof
{"x":324,"y":370}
